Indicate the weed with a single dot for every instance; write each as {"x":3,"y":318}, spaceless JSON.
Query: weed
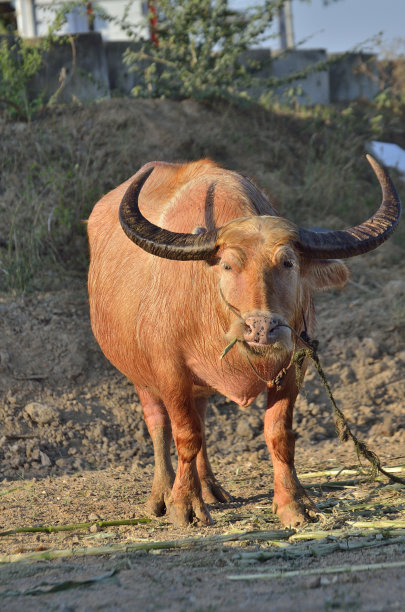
{"x":43,"y":220}
{"x":20,"y":60}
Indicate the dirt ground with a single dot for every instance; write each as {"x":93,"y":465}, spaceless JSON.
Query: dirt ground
{"x":74,"y":448}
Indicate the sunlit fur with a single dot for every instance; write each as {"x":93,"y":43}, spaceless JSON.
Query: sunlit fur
{"x":164,"y":324}
{"x":256,"y":249}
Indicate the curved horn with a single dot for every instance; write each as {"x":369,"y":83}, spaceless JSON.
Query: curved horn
{"x":158,"y":241}
{"x":361,"y":238}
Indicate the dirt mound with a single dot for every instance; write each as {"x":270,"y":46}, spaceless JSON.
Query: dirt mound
{"x":53,"y":170}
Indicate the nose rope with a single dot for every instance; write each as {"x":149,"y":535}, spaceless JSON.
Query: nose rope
{"x":278,"y":380}
{"x":341,"y":425}
{"x":235,"y":311}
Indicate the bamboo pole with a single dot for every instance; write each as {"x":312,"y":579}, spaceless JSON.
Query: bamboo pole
{"x":338,"y":471}
{"x":318,"y":549}
{"x":74,"y":526}
{"x":337,"y":569}
{"x":250,"y":536}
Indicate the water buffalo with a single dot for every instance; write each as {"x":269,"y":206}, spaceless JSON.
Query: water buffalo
{"x":165,"y":303}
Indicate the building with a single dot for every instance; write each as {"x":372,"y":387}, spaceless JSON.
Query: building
{"x":33,"y":17}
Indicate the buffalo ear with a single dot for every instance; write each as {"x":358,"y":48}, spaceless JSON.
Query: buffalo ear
{"x":325,"y":273}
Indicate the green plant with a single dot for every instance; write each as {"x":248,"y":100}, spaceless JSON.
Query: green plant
{"x":200,"y":48}
{"x":392,"y":76}
{"x":20,"y":60}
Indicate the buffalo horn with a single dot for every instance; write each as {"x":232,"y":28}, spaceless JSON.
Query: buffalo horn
{"x":361,"y":238}
{"x":158,"y":241}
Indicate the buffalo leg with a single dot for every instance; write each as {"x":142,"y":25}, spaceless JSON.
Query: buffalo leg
{"x":212,"y":491}
{"x":290,"y":502}
{"x":186,"y":500}
{"x":158,"y":424}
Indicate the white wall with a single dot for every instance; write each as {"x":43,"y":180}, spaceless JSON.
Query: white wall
{"x":25,"y":14}
{"x":35,"y":16}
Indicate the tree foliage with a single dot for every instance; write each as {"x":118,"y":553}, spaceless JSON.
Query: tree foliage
{"x":20,"y":60}
{"x":200,"y":49}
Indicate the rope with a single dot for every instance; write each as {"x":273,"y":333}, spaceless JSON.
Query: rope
{"x":341,"y":425}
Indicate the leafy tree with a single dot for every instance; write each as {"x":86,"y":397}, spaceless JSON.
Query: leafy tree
{"x":200,"y":49}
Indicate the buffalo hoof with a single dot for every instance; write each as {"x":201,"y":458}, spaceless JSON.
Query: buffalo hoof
{"x":158,"y":499}
{"x":213,"y":493}
{"x":182,"y":513}
{"x":296,"y":513}
{"x":156,"y":504}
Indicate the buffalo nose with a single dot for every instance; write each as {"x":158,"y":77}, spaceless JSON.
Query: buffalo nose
{"x":257,"y":329}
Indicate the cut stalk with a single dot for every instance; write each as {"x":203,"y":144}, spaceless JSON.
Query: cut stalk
{"x":74,"y":526}
{"x":228,"y":348}
{"x":317,"y":549}
{"x":338,"y":569}
{"x":250,"y":536}
{"x":379,"y":524}
{"x":338,"y":471}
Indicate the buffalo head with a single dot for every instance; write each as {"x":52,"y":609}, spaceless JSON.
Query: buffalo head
{"x":263,"y":279}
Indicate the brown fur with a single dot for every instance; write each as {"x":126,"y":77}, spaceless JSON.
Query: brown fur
{"x":164,"y":324}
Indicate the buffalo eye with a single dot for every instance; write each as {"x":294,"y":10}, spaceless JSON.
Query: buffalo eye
{"x":226,"y":266}
{"x":288,"y":263}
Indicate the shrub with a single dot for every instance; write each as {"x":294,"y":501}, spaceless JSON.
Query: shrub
{"x":20,"y":60}
{"x":200,"y":48}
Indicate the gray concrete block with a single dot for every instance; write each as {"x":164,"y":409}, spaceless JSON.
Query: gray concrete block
{"x":122,"y":79}
{"x":74,"y":69}
{"x":354,"y":76}
{"x":264,"y":64}
{"x":314,"y":86}
{"x":85,"y":68}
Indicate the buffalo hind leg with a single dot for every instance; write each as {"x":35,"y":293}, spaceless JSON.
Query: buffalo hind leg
{"x":158,"y":424}
{"x":292,"y":505}
{"x":212,"y":491}
{"x":186,"y":500}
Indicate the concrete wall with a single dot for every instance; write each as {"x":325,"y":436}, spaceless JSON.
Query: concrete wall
{"x":354,"y":76}
{"x":351,"y":77}
{"x":86,"y":68}
{"x":314,"y":88}
{"x":122,"y":80}
{"x":265,"y":64}
{"x":77,"y":68}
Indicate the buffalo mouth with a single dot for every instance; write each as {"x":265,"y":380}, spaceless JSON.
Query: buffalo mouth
{"x":261,"y":333}
{"x":265,"y":332}
{"x":261,"y":348}
{"x":270,"y":336}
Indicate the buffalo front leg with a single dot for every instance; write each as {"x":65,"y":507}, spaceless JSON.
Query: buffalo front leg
{"x":158,"y":424}
{"x":292,"y":505}
{"x":186,"y":500}
{"x":212,"y":491}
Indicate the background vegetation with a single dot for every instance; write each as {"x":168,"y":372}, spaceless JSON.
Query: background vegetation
{"x":56,"y":163}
